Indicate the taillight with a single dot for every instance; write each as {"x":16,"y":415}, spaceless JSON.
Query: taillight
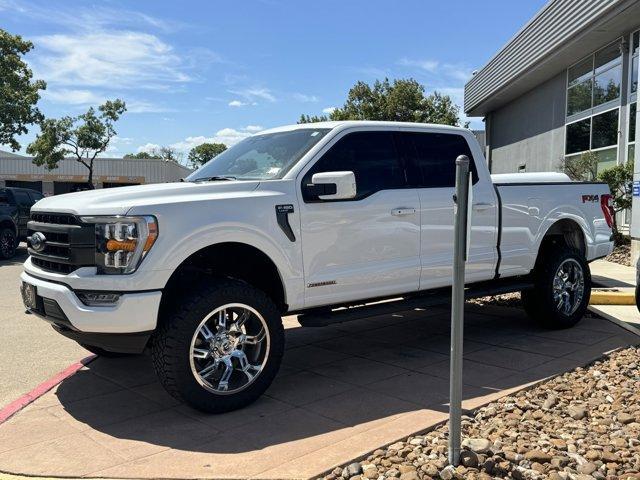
{"x":607,"y":208}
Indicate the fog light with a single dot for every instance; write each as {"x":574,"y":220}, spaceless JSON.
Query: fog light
{"x":98,"y":299}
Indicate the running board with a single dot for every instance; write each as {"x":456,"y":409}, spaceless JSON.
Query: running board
{"x":320,"y":317}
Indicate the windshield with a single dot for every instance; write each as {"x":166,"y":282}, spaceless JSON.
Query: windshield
{"x":261,"y":157}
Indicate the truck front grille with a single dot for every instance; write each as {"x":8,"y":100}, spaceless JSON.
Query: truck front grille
{"x":69,"y":244}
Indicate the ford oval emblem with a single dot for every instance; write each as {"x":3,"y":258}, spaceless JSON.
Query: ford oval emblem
{"x":38,"y":241}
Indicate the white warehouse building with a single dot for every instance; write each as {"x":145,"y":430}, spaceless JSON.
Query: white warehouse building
{"x":19,"y":171}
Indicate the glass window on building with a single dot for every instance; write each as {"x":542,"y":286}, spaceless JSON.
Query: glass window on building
{"x":595,"y":80}
{"x":598,"y":134}
{"x":632,"y":131}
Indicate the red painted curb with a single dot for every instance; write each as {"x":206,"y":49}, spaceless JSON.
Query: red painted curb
{"x":17,"y":405}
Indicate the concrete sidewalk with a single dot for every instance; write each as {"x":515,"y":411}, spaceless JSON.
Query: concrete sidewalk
{"x":344,"y":390}
{"x":613,"y":275}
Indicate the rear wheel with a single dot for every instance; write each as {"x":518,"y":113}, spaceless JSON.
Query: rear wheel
{"x":8,"y":243}
{"x":562,"y":288}
{"x":221,"y":347}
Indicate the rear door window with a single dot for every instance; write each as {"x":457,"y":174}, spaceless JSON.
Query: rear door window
{"x":22,"y":198}
{"x":4,"y":198}
{"x":433,"y":158}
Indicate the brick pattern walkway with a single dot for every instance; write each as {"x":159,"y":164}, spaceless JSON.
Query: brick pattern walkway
{"x":343,"y":391}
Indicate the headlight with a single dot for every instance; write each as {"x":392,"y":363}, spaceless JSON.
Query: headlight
{"x":122,"y":242}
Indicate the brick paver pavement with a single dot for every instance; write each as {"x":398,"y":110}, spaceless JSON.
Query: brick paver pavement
{"x":343,"y":391}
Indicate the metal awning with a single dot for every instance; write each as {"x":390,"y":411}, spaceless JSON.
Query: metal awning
{"x":560,"y":34}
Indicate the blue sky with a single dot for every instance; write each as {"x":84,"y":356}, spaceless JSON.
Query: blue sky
{"x":220,"y":70}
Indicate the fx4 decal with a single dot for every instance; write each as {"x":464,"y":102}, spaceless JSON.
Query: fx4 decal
{"x":590,"y":198}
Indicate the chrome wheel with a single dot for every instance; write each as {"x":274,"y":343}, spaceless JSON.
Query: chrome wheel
{"x":229,"y":349}
{"x":568,"y":287}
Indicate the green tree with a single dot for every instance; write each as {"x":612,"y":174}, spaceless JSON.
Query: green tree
{"x":18,"y":93}
{"x":84,"y":137}
{"x":620,"y":181}
{"x":582,"y":167}
{"x":168,"y":154}
{"x":402,"y":100}
{"x":202,"y":153}
{"x":140,"y":156}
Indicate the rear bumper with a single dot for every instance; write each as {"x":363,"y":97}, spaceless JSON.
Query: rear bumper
{"x":133,"y":313}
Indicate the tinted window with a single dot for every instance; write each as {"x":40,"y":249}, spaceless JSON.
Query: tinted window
{"x":578,"y":136}
{"x":22,"y":198}
{"x":4,"y":199}
{"x":371,"y":156}
{"x":435,"y":156}
{"x":35,"y":196}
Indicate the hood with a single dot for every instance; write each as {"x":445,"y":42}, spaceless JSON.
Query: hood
{"x":119,"y":200}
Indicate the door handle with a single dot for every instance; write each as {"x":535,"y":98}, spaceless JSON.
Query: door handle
{"x":399,"y":212}
{"x":482,"y":206}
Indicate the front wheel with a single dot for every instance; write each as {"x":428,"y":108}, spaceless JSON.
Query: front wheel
{"x":8,"y":243}
{"x":562,"y":289}
{"x":221,"y":348}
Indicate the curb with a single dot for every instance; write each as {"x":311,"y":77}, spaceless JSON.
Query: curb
{"x":17,"y":405}
{"x":612,"y":296}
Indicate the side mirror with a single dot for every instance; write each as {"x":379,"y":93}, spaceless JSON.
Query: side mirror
{"x":334,"y":185}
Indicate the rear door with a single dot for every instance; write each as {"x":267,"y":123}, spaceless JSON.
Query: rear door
{"x":433,"y":157}
{"x":368,"y":246}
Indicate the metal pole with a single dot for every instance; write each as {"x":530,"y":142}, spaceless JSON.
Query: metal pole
{"x":461,"y":200}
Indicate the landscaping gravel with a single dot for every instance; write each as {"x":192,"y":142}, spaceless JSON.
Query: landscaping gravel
{"x":582,"y":425}
{"x":621,"y":254}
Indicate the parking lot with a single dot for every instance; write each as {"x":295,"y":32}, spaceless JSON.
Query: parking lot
{"x":31,"y":351}
{"x":343,"y":390}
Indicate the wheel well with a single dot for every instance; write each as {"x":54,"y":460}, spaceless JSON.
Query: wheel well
{"x":8,"y":224}
{"x":563,"y":232}
{"x":231,"y":260}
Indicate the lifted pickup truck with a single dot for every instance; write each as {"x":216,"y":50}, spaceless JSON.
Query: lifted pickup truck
{"x":300,"y":219}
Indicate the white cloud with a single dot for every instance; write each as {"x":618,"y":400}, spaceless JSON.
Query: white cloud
{"x":301,"y":97}
{"x":147,"y":147}
{"x":142,"y":106}
{"x":108,"y":59}
{"x":253,"y":94}
{"x":428,"y":65}
{"x":228,"y":136}
{"x":73,"y":96}
{"x":237,"y":103}
{"x":453,"y":71}
{"x":328,"y":110}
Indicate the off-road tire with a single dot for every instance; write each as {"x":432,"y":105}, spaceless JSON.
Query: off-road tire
{"x":539,"y":303}
{"x":7,"y":250}
{"x":170,"y":346}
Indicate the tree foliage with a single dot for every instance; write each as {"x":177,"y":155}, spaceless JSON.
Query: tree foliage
{"x":581,"y":168}
{"x":168,"y":154}
{"x":402,"y":100}
{"x":140,"y":156}
{"x":202,"y":153}
{"x":18,"y":93}
{"x":620,"y":181}
{"x":83,"y":137}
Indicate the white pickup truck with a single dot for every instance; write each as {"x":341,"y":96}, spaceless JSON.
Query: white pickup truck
{"x":300,"y":219}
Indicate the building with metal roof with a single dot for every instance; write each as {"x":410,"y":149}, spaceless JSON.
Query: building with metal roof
{"x":19,"y":171}
{"x":565,"y":84}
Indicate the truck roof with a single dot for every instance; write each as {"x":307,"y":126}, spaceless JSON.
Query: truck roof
{"x":342,"y":124}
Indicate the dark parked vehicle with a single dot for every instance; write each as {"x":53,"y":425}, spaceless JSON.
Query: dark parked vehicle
{"x":15,"y":206}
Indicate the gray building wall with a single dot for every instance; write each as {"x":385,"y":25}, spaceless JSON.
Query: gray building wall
{"x":529,"y":131}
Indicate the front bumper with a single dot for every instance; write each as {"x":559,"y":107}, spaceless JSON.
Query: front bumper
{"x":133,"y":313}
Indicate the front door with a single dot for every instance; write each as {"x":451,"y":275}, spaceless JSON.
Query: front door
{"x":368,"y":246}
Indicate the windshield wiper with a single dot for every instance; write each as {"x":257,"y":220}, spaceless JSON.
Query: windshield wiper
{"x":216,"y":178}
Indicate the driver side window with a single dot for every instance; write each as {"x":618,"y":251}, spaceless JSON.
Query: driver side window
{"x":371,"y":156}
